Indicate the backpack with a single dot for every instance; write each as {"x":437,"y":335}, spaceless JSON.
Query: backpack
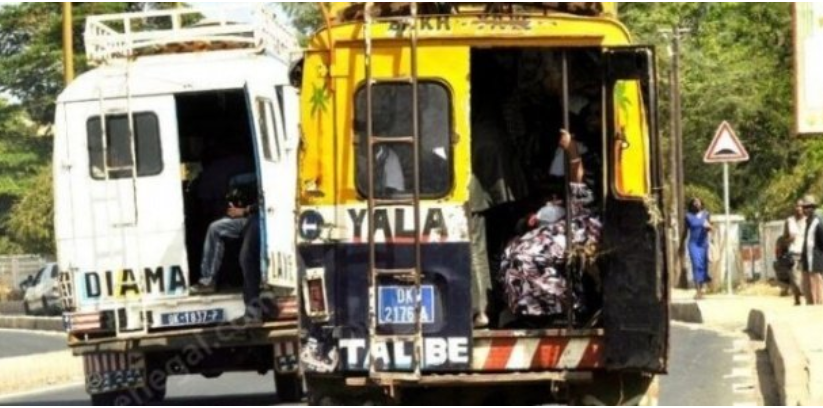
{"x":784,"y":261}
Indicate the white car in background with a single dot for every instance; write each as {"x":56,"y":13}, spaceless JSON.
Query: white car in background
{"x":42,"y":297}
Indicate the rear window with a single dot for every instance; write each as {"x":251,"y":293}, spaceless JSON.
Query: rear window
{"x":117,"y":146}
{"x":394,"y":162}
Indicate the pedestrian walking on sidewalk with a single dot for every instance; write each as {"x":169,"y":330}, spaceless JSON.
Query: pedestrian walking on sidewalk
{"x":698,"y":225}
{"x":793,"y":233}
{"x":812,"y":255}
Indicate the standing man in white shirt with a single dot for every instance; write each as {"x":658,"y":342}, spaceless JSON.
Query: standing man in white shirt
{"x":794,"y":231}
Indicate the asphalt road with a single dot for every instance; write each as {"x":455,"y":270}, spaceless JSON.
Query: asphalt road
{"x":708,"y":367}
{"x":14,"y":343}
{"x":229,"y":390}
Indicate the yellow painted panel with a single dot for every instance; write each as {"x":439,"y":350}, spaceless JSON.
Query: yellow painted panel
{"x":631,"y":163}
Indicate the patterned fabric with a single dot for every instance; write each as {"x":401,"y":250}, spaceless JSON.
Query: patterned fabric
{"x":533,"y":269}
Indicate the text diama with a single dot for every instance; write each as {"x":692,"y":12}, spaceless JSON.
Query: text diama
{"x":125,"y":282}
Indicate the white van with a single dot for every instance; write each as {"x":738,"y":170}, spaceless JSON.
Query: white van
{"x":142,"y":143}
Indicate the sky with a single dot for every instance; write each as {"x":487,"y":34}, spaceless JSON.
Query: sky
{"x":235,"y":11}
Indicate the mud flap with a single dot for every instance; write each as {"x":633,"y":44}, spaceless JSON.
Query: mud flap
{"x":109,"y":372}
{"x":285,"y":357}
{"x":635,"y":286}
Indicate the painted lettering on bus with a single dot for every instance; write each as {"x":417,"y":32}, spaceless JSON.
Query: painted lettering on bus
{"x":502,"y":22}
{"x":122,"y":283}
{"x":434,"y":23}
{"x":399,"y":224}
{"x":438,"y":352}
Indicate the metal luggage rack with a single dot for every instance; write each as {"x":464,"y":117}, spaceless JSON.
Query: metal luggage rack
{"x":114,"y":37}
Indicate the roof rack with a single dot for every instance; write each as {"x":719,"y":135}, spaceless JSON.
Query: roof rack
{"x":113,"y":37}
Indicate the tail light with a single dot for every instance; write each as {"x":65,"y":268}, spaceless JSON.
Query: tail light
{"x":66,"y":289}
{"x":315,"y":297}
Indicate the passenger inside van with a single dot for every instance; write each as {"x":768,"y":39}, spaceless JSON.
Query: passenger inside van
{"x":242,"y":201}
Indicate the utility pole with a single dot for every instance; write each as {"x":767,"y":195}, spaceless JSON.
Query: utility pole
{"x":677,"y":177}
{"x":68,"y":47}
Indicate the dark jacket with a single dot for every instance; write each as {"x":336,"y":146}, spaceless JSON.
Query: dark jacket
{"x":813,"y":262}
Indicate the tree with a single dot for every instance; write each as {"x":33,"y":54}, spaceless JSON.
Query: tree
{"x":31,"y":67}
{"x":305,"y":17}
{"x":736,"y":66}
{"x":22,"y":154}
{"x":32,"y":219}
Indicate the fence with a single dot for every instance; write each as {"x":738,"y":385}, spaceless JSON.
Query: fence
{"x":15,"y":268}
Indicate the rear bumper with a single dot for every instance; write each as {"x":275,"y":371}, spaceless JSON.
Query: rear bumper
{"x":209,"y":337}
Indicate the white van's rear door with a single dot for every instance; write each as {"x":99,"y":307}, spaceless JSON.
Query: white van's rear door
{"x":277,"y":179}
{"x":123,"y":231}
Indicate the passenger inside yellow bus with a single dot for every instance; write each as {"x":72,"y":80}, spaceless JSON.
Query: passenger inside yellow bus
{"x":521,"y":132}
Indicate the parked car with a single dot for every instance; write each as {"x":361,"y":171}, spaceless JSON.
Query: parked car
{"x":43,"y":294}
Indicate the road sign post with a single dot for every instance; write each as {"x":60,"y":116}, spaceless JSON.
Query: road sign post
{"x":726,"y":148}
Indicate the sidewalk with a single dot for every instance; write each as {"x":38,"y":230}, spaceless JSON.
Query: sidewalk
{"x":793,"y":336}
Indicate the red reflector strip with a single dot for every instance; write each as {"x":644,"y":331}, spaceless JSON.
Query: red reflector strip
{"x":559,"y":353}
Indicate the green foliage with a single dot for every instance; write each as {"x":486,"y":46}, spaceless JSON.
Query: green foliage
{"x":306,"y":17}
{"x":31,"y":67}
{"x":32,"y":218}
{"x":737,"y":66}
{"x":711,"y":201}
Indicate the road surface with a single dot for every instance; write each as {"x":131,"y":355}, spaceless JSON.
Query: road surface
{"x":16,"y":343}
{"x":708,"y":367}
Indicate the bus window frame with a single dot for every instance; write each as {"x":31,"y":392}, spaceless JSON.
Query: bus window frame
{"x":452,"y":136}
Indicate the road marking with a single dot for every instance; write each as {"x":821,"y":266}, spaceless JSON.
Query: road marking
{"x":742,"y":388}
{"x":739,"y":373}
{"x":742,"y":358}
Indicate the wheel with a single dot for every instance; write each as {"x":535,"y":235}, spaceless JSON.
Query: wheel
{"x":289,"y":387}
{"x":45,"y":311}
{"x":617,"y":389}
{"x":332,"y":391}
{"x":116,"y":398}
{"x":157,"y":379}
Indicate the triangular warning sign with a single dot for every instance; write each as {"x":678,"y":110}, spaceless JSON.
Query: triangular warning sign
{"x":725,"y":147}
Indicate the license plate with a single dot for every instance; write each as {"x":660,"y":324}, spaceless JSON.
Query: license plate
{"x":396,"y":304}
{"x":192,"y":318}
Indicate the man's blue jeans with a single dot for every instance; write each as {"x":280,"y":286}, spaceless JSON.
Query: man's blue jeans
{"x":213,"y":248}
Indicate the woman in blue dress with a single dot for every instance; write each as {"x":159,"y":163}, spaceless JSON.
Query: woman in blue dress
{"x":698,"y":225}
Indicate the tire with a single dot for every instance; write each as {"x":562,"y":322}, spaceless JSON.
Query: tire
{"x":45,"y":311}
{"x":116,"y":398}
{"x":289,"y":387}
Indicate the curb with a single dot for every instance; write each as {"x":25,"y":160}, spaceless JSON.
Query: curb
{"x":685,"y":311}
{"x":789,"y":365}
{"x":32,"y":323}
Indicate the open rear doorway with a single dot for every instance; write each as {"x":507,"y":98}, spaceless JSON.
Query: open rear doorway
{"x":217,"y":148}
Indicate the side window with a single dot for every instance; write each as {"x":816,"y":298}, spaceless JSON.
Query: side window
{"x":392,"y":117}
{"x":267,"y":129}
{"x":282,"y":110}
{"x":117,"y":146}
{"x":54,"y":271}
{"x":39,"y":276}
